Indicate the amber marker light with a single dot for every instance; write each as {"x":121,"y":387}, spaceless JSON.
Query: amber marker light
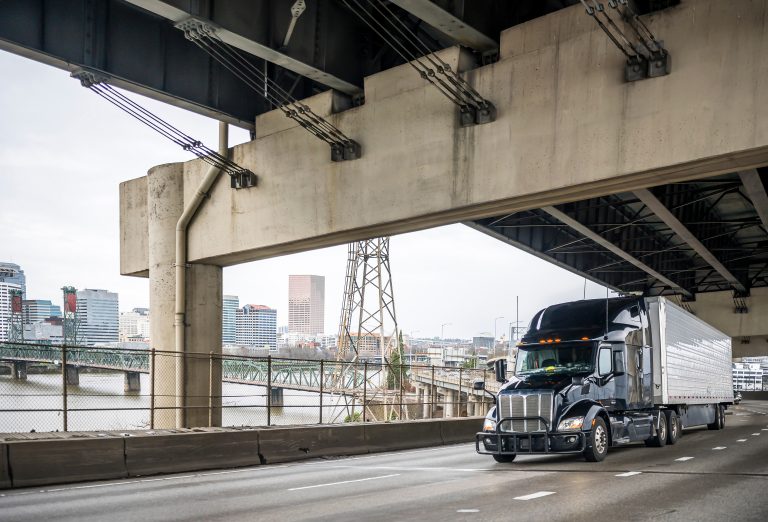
{"x":549,"y":340}
{"x":585,"y":338}
{"x":557,"y":340}
{"x":542,"y":341}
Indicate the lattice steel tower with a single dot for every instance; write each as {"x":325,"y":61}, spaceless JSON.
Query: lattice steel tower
{"x":16,"y":325}
{"x":368,"y":320}
{"x":71,"y":320}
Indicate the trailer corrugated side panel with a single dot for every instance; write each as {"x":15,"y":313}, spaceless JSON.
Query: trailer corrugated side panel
{"x":697,"y":362}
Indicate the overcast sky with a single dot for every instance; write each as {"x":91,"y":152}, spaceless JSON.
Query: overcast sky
{"x":64,"y":150}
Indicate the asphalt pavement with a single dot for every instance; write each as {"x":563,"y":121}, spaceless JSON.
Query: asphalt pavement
{"x":707,"y":475}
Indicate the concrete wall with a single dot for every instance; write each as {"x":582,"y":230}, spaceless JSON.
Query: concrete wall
{"x":718,"y":309}
{"x":33,"y":460}
{"x":569,"y":127}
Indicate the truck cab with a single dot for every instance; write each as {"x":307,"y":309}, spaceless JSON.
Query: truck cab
{"x":583,"y":381}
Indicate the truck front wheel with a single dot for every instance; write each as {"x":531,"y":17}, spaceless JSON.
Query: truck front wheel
{"x":504,"y":458}
{"x":597,"y":442}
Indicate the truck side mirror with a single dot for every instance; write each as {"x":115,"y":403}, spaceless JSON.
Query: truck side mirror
{"x":500,"y":368}
{"x":478,"y":385}
{"x":604,"y":362}
{"x":619,"y":367}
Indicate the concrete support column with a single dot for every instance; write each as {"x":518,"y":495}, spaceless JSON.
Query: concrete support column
{"x":132,"y":382}
{"x":276,"y":397}
{"x":20,"y":371}
{"x":165,"y":202}
{"x":425,"y":404}
{"x":72,"y":375}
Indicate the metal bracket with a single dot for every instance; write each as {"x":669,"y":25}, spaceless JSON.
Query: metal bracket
{"x":243,"y":179}
{"x":740,"y":302}
{"x":88,"y":78}
{"x":469,"y":115}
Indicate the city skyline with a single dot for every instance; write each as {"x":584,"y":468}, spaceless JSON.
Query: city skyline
{"x":450,"y":280}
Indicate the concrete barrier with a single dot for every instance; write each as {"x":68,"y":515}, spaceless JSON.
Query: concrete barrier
{"x":40,"y":462}
{"x":455,"y":431}
{"x":396,"y":436}
{"x":5,"y":476}
{"x":755,"y":395}
{"x":181,"y":452}
{"x":290,"y":444}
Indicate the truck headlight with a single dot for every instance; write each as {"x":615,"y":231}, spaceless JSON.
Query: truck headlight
{"x":571,"y":424}
{"x":489,"y":425}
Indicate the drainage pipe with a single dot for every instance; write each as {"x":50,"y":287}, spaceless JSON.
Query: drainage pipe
{"x":181,"y":275}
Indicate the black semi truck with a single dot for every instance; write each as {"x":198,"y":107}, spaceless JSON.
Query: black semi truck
{"x":594,"y":374}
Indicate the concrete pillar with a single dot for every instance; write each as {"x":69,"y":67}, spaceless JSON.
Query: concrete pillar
{"x":165,"y":185}
{"x":20,"y":370}
{"x":450,"y":403}
{"x":72,"y":375}
{"x":276,"y":397}
{"x":132,"y":382}
{"x":425,"y":404}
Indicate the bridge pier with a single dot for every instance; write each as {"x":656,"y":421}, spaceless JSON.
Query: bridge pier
{"x":276,"y":397}
{"x":450,"y":403}
{"x":20,"y":370}
{"x":72,"y":375}
{"x":187,"y":384}
{"x":132,"y":382}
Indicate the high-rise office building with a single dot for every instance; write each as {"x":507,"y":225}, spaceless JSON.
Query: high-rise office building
{"x":99,"y":317}
{"x":38,"y":310}
{"x":13,"y":274}
{"x":256,"y":326}
{"x":11,"y":278}
{"x":306,"y":304}
{"x":229,"y":319}
{"x":134,"y":325}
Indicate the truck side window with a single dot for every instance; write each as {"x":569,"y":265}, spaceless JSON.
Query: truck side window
{"x":604,"y":361}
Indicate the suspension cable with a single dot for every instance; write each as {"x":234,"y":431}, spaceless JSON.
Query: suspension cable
{"x":97,"y":83}
{"x":406,"y":43}
{"x":647,"y":58}
{"x":205,"y":37}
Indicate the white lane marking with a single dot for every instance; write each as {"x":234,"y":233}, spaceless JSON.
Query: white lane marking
{"x":467,"y":511}
{"x":411,"y":468}
{"x":683,"y":459}
{"x":345,"y":482}
{"x":629,"y":474}
{"x":764,"y":429}
{"x":741,"y":440}
{"x":538,"y":494}
{"x":716,"y":448}
{"x":756,"y":434}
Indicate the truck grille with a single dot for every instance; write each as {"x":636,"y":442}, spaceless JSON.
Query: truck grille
{"x":531,"y":405}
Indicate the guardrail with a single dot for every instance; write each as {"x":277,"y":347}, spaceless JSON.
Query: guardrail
{"x":85,"y":388}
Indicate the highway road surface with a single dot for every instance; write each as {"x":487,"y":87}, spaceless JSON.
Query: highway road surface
{"x":707,"y":475}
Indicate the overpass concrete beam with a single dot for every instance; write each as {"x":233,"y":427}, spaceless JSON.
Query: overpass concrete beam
{"x":568,"y":128}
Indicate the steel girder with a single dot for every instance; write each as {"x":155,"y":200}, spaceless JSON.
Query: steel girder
{"x":717,"y":212}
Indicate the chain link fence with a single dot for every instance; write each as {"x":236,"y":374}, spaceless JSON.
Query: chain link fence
{"x":77,"y":388}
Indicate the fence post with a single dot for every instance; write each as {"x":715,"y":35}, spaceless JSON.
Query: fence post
{"x":400,"y":411}
{"x":269,"y":390}
{"x":432,"y":395}
{"x":322,"y":378}
{"x":152,"y":390}
{"x":365,"y":392}
{"x":459,"y":412}
{"x":64,"y":385}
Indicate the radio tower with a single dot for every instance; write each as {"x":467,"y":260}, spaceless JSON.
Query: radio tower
{"x":71,"y":319}
{"x":368,"y":307}
{"x":16,"y":331}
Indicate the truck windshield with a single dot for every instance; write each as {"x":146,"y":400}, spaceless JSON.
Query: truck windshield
{"x":567,"y":358}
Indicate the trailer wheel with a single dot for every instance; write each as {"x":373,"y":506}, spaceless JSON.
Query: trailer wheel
{"x":504,"y":458}
{"x":719,"y":422}
{"x":597,"y":442}
{"x":673,"y":426}
{"x":660,"y":439}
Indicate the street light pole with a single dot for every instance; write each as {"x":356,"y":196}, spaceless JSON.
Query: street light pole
{"x":442,"y":330}
{"x":495,"y":323}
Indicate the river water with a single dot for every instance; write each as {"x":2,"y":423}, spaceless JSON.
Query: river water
{"x":243,"y":405}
